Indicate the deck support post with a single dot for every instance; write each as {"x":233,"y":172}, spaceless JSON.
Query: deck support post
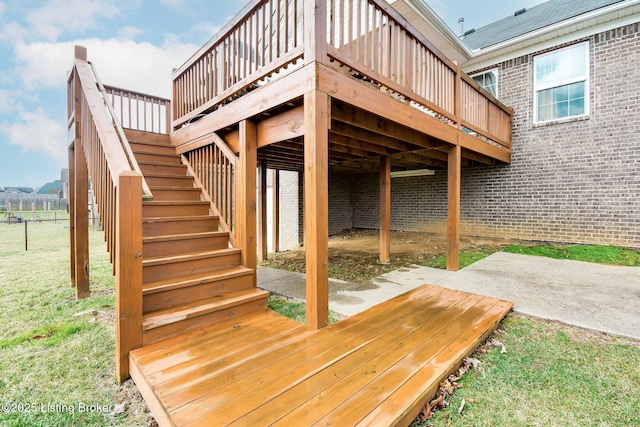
{"x":275,"y":219}
{"x":262,"y":211}
{"x":246,"y":195}
{"x":315,"y":31}
{"x":81,"y":222}
{"x":128,"y":270}
{"x":385,"y":209}
{"x":316,"y":206}
{"x":72,"y":209}
{"x":454,"y":170}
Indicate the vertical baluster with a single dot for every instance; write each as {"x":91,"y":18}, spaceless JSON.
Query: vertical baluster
{"x":270,"y":30}
{"x":360,"y":13}
{"x":286,"y":26}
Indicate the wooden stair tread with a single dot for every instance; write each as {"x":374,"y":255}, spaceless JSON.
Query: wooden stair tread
{"x":168,"y":188}
{"x":154,"y":153}
{"x":175,"y":202}
{"x":198,"y":308}
{"x":195,"y":279}
{"x":172,"y":237}
{"x":149,"y":162}
{"x":150,"y":138}
{"x":179,"y":218}
{"x":188,"y":256}
{"x":166,"y":175}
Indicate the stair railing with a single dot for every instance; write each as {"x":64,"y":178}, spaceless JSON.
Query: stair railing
{"x":124,"y":142}
{"x":213,"y":168}
{"x":98,"y":151}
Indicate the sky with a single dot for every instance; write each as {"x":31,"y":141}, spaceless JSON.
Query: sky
{"x":134,"y":44}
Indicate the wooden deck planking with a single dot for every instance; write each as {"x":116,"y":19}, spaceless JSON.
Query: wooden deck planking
{"x":378,"y":367}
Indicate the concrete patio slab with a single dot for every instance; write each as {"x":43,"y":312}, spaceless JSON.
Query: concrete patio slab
{"x":600,"y":297}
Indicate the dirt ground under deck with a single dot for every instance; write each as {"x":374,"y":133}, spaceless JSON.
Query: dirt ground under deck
{"x":353,"y":254}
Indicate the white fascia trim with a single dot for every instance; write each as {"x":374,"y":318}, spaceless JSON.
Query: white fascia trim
{"x":563,"y":32}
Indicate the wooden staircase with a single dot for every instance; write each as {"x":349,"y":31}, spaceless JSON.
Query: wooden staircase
{"x":192,"y":277}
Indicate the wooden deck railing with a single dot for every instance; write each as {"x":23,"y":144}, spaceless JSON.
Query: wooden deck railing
{"x":214,"y":170}
{"x":265,"y":37}
{"x":139,"y":111}
{"x":118,"y":188}
{"x":368,"y":36}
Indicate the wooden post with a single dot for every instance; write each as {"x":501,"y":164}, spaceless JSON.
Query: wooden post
{"x":262,"y":210}
{"x":128,"y":270}
{"x":275,"y":224}
{"x":385,"y":209}
{"x":457,"y":95}
{"x":315,"y":31}
{"x":301,"y":223}
{"x":246,"y":194}
{"x":72,"y":215}
{"x":453,"y":216}
{"x":81,"y":230}
{"x":316,"y":206}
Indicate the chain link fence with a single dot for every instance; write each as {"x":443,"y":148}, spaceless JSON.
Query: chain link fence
{"x":31,"y":231}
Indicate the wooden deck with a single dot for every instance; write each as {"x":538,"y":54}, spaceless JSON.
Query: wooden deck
{"x":379,"y":367}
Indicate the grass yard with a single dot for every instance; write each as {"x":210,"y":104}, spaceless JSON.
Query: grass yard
{"x":57,"y":356}
{"x":551,"y":374}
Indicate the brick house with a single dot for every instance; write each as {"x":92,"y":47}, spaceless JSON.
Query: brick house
{"x":575,"y":171}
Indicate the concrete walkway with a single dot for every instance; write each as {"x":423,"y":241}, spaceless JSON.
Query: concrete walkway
{"x":594,"y":296}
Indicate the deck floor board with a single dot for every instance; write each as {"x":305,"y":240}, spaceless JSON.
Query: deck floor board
{"x":376,"y":368}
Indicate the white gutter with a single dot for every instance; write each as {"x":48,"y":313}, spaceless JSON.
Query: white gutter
{"x":610,"y":17}
{"x":599,"y":20}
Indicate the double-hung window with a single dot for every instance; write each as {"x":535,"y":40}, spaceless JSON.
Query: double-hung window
{"x":488,"y":80}
{"x":561,"y":83}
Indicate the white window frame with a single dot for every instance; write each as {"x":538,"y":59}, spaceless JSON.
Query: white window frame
{"x":493,"y":71}
{"x":538,"y":87}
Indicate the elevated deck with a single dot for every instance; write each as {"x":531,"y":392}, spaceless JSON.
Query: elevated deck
{"x":391,"y":92}
{"x":376,"y":368}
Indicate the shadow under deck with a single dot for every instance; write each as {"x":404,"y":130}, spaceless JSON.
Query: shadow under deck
{"x":379,"y":367}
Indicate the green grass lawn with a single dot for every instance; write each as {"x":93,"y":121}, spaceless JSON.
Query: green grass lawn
{"x":57,"y":357}
{"x":587,"y":253}
{"x":551,"y":375}
{"x":56,"y":353}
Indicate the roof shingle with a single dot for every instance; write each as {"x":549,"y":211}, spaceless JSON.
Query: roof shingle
{"x":537,"y":17}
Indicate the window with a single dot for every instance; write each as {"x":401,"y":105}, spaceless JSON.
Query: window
{"x":561,"y":83}
{"x":489,"y":81}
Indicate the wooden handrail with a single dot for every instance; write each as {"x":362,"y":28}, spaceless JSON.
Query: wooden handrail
{"x":129,"y":116}
{"x":213,"y":167}
{"x":124,"y":142}
{"x":100,"y":151}
{"x":263,"y":39}
{"x":368,"y":36}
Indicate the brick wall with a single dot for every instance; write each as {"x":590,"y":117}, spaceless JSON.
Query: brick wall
{"x":575,"y":181}
{"x":289,"y":215}
{"x":340,"y":202}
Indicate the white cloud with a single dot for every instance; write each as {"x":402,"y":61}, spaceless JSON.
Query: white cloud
{"x":3,"y":8}
{"x":73,"y":16}
{"x":141,"y":67}
{"x":7,"y":102}
{"x":129,"y":33}
{"x":37,"y":132}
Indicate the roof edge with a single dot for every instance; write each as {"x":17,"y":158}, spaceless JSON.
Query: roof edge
{"x":429,"y":15}
{"x":588,"y":23}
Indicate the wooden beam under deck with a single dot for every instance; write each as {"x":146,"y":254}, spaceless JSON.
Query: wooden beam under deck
{"x":365,"y":120}
{"x":379,"y":367}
